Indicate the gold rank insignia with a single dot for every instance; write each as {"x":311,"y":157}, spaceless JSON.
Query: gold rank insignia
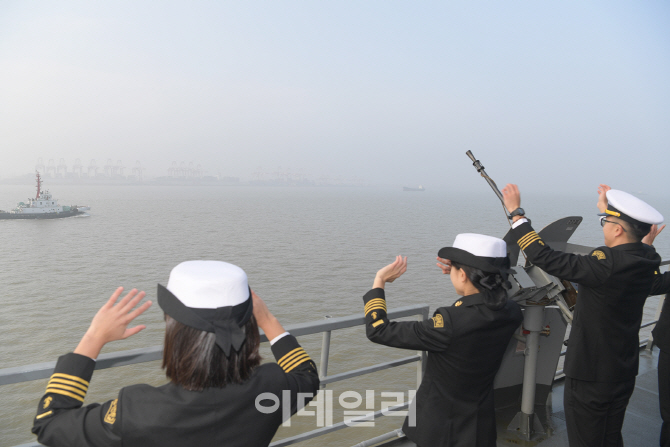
{"x":377,"y":323}
{"x":458,"y":303}
{"x":47,"y":401}
{"x":599,"y":255}
{"x":110,"y":417}
{"x":528,"y":239}
{"x":438,"y":321}
{"x":374,"y":315}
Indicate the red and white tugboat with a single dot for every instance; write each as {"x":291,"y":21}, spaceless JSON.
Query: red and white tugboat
{"x":43,"y":206}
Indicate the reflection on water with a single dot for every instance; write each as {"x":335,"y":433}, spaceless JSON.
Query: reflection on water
{"x":309,"y":252}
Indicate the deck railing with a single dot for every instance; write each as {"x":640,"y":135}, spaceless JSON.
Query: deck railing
{"x":38,"y":371}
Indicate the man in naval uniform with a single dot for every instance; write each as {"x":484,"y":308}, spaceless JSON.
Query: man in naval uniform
{"x":454,"y":406}
{"x":218,"y":394}
{"x":614,"y":281}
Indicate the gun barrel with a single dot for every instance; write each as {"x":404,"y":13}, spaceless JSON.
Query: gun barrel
{"x":483,"y":173}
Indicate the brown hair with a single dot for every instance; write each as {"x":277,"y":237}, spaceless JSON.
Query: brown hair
{"x":192,"y":359}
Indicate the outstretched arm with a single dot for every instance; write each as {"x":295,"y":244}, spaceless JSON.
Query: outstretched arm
{"x":301,"y":373}
{"x":512,"y":199}
{"x":588,"y":270}
{"x":602,"y":197}
{"x":111,"y":322}
{"x":391,"y":272}
{"x":431,"y":335}
{"x":61,"y":420}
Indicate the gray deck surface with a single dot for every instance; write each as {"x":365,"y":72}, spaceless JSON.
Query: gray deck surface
{"x":641,"y":427}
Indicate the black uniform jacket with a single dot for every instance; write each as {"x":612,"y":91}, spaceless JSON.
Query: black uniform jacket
{"x":169,"y":415}
{"x":613,"y":285}
{"x":466,"y":343}
{"x":661,"y":331}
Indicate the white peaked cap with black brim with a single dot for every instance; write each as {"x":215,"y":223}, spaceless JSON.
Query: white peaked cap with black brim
{"x":631,"y":209}
{"x":486,"y":253}
{"x":211,"y":296}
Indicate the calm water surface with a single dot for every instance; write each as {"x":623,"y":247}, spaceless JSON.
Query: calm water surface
{"x":309,"y":252}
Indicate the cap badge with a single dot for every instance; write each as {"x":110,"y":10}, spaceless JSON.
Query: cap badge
{"x":598,"y":254}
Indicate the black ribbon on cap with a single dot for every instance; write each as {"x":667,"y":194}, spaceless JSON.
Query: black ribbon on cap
{"x":487,"y":264}
{"x":225,"y":322}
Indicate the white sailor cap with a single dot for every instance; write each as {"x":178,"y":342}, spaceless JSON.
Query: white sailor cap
{"x":486,"y":253}
{"x":631,"y":209}
{"x":210,"y":296}
{"x":208,"y":284}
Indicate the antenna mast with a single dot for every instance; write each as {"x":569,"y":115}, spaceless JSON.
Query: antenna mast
{"x":39,"y":184}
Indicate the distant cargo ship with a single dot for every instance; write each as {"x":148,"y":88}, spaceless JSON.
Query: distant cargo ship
{"x":43,"y":206}
{"x":407,"y":188}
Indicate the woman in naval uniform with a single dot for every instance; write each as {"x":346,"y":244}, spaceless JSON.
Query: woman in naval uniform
{"x":218,"y":393}
{"x":465,"y":343}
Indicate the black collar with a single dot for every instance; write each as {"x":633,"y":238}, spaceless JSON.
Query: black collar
{"x":470,"y":300}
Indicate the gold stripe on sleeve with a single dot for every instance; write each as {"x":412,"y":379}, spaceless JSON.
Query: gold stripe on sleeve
{"x":297,"y":361}
{"x":376,"y":308}
{"x":59,"y":382}
{"x":377,"y":303}
{"x":527,"y":244}
{"x":65,"y":393}
{"x":68,"y":388}
{"x":67,"y":376}
{"x":288,"y":358}
{"x":526,"y":237}
{"x":377,"y":323}
{"x":43,"y":415}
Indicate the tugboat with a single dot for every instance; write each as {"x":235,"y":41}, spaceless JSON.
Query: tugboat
{"x":43,"y":206}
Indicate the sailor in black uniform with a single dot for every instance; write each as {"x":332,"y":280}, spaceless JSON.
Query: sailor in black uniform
{"x":661,"y":337}
{"x":614,"y":281}
{"x":218,"y":394}
{"x":661,"y":334}
{"x":465,"y":343}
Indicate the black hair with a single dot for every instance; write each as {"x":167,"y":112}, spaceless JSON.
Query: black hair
{"x":192,"y":359}
{"x":490,"y":284}
{"x":638,"y":230}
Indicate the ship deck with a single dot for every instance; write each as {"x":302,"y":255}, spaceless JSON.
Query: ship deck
{"x":641,"y":428}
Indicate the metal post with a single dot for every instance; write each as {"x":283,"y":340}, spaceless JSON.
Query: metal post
{"x":526,"y":421}
{"x":325,"y":351}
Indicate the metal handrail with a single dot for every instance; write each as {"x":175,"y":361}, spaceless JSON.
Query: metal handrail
{"x":38,"y":371}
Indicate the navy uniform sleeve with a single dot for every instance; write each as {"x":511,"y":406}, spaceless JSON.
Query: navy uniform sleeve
{"x":590,"y":270}
{"x":62,"y":421}
{"x":300,"y":370}
{"x":661,"y":284}
{"x":433,"y":334}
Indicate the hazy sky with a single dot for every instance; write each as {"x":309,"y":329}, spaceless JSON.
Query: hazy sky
{"x":547,"y":94}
